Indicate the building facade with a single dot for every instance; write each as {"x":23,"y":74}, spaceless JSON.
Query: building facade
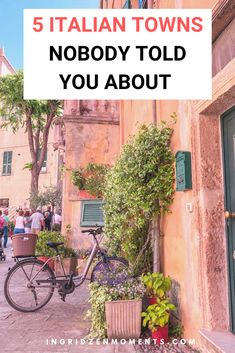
{"x":92,"y":136}
{"x":198,"y":243}
{"x":15,"y":154}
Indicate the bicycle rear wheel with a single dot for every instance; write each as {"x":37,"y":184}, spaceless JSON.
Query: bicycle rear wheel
{"x":113,"y":271}
{"x":22,"y":288}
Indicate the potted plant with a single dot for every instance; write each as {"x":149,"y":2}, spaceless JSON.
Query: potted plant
{"x":157,"y":285}
{"x":116,"y":309}
{"x":156,"y":317}
{"x":69,"y":261}
{"x":90,"y":180}
{"x":43,"y":250}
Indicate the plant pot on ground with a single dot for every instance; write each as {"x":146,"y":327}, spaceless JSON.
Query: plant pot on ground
{"x":123,"y":318}
{"x":157,"y":285}
{"x":43,"y":251}
{"x":116,"y":309}
{"x":156,"y":318}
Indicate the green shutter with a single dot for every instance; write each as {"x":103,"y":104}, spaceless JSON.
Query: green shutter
{"x":7,"y":161}
{"x":92,"y":213}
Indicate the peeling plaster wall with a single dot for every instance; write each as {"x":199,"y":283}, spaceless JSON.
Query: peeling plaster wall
{"x":90,"y":138}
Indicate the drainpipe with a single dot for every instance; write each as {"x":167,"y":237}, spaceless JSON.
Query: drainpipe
{"x":156,"y":222}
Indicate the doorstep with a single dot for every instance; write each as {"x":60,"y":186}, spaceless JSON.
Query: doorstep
{"x":218,"y":342}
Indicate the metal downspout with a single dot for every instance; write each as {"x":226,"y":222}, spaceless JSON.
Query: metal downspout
{"x":156,"y":222}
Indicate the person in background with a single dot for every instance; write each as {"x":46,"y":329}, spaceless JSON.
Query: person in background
{"x":37,"y":221}
{"x":2,"y":221}
{"x":27,"y":222}
{"x":48,"y":218}
{"x":5,"y":228}
{"x":19,"y":223}
{"x":57,"y":220}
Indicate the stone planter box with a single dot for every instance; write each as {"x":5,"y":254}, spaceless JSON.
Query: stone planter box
{"x":69,"y":263}
{"x":123,"y":318}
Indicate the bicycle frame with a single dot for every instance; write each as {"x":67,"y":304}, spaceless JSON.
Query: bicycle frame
{"x":96,"y":247}
{"x":59,"y":279}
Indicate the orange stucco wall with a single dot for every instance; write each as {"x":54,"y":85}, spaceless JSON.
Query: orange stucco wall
{"x":90,"y":138}
{"x":187,"y":254}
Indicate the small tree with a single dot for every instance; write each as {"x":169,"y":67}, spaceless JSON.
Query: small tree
{"x":139,"y":188}
{"x":34,"y":116}
{"x":50,"y":196}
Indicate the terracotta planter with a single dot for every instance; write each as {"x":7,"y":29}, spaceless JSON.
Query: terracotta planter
{"x":84,"y":195}
{"x":160,"y":335}
{"x":123,"y":318}
{"x":51,"y":263}
{"x":69,"y":263}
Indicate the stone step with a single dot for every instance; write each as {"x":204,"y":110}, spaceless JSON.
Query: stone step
{"x":218,"y":342}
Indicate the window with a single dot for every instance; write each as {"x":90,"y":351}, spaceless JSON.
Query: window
{"x":92,"y":213}
{"x":127,"y":4}
{"x":4,"y":203}
{"x":7,"y":161}
{"x":143,"y":4}
{"x":44,"y":164}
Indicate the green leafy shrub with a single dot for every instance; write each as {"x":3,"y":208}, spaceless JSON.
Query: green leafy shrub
{"x":131,"y":289}
{"x":66,"y":252}
{"x":157,"y":285}
{"x":43,"y":238}
{"x":157,"y":314}
{"x":176,"y":330}
{"x":139,"y":187}
{"x":91,"y":178}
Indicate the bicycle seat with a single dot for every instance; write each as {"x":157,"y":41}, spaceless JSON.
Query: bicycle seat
{"x":54,"y":245}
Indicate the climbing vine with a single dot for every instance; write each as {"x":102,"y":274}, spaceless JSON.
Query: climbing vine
{"x":90,"y":178}
{"x":139,"y":187}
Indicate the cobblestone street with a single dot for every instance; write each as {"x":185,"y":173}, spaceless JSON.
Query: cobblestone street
{"x":21,"y":332}
{"x":38,"y":332}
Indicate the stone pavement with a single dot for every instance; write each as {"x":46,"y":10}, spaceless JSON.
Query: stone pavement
{"x":58,"y":327}
{"x":37,"y":332}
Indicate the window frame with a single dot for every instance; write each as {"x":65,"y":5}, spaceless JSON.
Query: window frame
{"x":84,"y":223}
{"x":4,"y":202}
{"x":44,"y":165}
{"x":127,"y":4}
{"x":7,"y":165}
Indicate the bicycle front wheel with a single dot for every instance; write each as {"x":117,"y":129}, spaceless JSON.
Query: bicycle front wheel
{"x":112,"y":271}
{"x":29,"y":285}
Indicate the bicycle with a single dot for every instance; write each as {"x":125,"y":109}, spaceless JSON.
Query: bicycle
{"x":30,"y":284}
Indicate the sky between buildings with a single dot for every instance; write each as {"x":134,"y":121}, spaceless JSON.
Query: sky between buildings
{"x":11,"y":22}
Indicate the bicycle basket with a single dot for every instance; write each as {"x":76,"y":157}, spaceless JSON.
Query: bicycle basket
{"x":24,"y":244}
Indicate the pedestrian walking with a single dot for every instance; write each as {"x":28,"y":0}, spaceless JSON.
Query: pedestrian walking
{"x":5,"y":228}
{"x":27,"y":222}
{"x":2,"y":221}
{"x":57,"y":220}
{"x":19,"y":223}
{"x":48,"y":218}
{"x":38,"y":222}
